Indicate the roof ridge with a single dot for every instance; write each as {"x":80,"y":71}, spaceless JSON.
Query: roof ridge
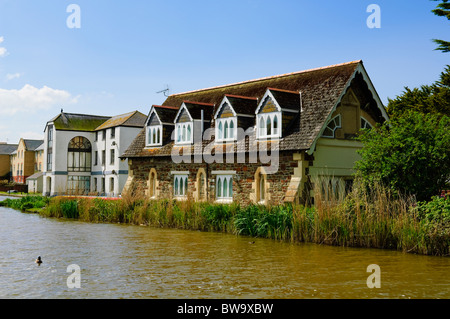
{"x":85,"y":114}
{"x":281,"y":90}
{"x":242,"y":97}
{"x":166,"y":107}
{"x":199,"y":103}
{"x":270,"y":77}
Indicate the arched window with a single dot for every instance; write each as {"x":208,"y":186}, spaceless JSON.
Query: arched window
{"x":176,"y":187}
{"x":225,"y":134}
{"x":224,"y":187}
{"x":231,"y":129}
{"x":219,"y":187}
{"x":275,"y":125}
{"x":262,"y":190}
{"x":261,"y":186}
{"x":188,"y":137}
{"x":79,"y":155}
{"x":201,"y":184}
{"x":365,"y":124}
{"x":159,"y":136}
{"x":152,"y":183}
{"x":332,"y":126}
{"x":220,"y":130}
{"x":269,"y":126}
{"x":183,"y":137}
{"x":262,"y":126}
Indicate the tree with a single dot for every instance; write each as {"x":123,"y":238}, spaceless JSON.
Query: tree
{"x":410,"y":154}
{"x":433,"y":98}
{"x":442,"y":10}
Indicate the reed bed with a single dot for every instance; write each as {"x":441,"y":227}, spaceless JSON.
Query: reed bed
{"x":372,"y":218}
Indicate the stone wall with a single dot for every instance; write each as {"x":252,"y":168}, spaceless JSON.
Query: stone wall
{"x":244,"y":180}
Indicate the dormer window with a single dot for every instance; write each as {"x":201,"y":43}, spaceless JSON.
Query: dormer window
{"x":154,"y":135}
{"x":183,"y":133}
{"x":154,"y":129}
{"x":332,"y":126}
{"x":276,"y":107}
{"x":226,"y":129}
{"x":192,"y":119}
{"x":268,"y":125}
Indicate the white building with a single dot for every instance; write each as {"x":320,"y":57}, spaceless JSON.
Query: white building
{"x":82,"y":153}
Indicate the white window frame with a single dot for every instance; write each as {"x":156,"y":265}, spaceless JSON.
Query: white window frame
{"x":335,"y":128}
{"x":366,"y":125}
{"x":232,"y":134}
{"x":224,"y":193}
{"x":262,"y":118}
{"x":181,"y":136}
{"x":180,"y":192}
{"x":149,"y":141}
{"x":223,"y":176}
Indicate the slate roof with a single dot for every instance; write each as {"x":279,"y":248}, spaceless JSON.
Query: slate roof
{"x":287,"y":99}
{"x":32,"y":145}
{"x":320,"y":91}
{"x":78,"y":122}
{"x":131,"y":119}
{"x":195,"y":109}
{"x":166,"y":113}
{"x":7,"y":149}
{"x":243,"y":104}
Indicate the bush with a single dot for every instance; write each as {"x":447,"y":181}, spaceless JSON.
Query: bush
{"x":410,"y":155}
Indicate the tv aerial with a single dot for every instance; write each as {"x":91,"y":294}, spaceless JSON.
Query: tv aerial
{"x":165,"y":91}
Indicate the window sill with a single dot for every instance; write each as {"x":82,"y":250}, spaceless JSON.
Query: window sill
{"x":224,"y":200}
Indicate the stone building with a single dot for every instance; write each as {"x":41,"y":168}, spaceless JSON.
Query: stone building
{"x":261,"y":141}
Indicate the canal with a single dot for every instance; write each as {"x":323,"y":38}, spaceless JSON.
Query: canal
{"x":123,"y":261}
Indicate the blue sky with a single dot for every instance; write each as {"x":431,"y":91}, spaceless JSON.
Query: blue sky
{"x":126,"y":51}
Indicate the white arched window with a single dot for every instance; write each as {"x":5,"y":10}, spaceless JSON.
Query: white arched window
{"x":224,"y":187}
{"x":226,"y":129}
{"x":269,"y":125}
{"x":183,"y":132}
{"x":180,"y":185}
{"x":153,"y":137}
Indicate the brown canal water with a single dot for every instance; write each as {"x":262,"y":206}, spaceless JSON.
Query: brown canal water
{"x":122,"y":261}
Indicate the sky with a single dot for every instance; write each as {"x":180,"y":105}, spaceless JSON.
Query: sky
{"x":113,"y":57}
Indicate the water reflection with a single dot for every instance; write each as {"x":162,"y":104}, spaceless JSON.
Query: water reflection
{"x":120,"y":261}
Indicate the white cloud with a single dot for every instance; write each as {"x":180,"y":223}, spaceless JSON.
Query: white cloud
{"x":32,"y":135}
{"x":12,"y":76}
{"x":32,"y":99}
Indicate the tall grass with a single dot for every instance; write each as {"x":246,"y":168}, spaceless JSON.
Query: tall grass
{"x":364,"y":218}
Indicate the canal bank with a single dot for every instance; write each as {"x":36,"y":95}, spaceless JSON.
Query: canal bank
{"x":385,"y":224}
{"x":125,"y":261}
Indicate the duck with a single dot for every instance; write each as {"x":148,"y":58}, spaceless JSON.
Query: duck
{"x":39,"y":261}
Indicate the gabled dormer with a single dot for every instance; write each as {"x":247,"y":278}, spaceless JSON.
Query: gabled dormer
{"x":159,"y":125}
{"x":191,"y":121}
{"x":234,"y":112}
{"x":276,"y":111}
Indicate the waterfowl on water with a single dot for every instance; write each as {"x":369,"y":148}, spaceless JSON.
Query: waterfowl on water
{"x":39,"y":260}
